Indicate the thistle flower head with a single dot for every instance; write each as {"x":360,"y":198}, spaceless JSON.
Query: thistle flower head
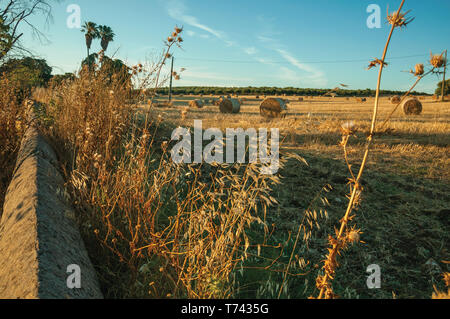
{"x":418,"y":70}
{"x":376,"y":62}
{"x":399,"y":19}
{"x":349,"y":128}
{"x":437,"y":60}
{"x":353,"y":236}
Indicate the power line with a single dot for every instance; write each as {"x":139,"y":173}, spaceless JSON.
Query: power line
{"x":308,"y":62}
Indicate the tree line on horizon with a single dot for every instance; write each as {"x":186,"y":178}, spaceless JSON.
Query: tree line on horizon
{"x":289,"y":91}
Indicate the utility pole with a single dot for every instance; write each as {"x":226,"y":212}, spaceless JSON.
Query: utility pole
{"x":171,"y":77}
{"x":443,"y":81}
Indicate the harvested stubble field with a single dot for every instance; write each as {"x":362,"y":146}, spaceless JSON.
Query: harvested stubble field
{"x":404,"y":213}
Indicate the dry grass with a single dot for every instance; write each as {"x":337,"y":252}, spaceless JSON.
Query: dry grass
{"x":165,"y":230}
{"x":12,"y":125}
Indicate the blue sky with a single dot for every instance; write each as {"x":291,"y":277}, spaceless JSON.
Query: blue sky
{"x":299,"y":43}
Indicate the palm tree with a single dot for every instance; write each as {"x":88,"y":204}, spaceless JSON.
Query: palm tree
{"x":107,"y":36}
{"x":91,"y":32}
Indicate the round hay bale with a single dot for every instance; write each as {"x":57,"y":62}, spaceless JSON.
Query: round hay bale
{"x":272,"y":107}
{"x":412,"y":106}
{"x":395,"y":99}
{"x":196,"y":104}
{"x":229,"y":106}
{"x":300,"y":99}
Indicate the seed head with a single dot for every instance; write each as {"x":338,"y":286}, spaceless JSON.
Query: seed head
{"x":399,"y":19}
{"x":437,"y":60}
{"x":375,"y":62}
{"x":353,"y":236}
{"x":349,"y":128}
{"x":419,"y":69}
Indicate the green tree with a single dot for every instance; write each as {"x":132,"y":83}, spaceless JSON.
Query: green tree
{"x":29,"y":72}
{"x":15,"y":19}
{"x":439,"y":88}
{"x":91,"y":32}
{"x":60,"y":78}
{"x":107,"y":35}
{"x":5,"y":39}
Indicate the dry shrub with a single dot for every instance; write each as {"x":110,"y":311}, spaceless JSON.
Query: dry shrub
{"x":412,"y":106}
{"x":395,"y":99}
{"x":12,"y":125}
{"x":273,"y":107}
{"x":229,"y":106}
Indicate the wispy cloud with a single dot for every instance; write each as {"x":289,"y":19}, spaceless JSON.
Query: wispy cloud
{"x":314,"y":75}
{"x":177,"y":10}
{"x":250,"y":50}
{"x":264,"y":38}
{"x":300,"y":72}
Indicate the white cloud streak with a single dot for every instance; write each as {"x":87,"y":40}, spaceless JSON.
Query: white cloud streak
{"x":316,"y":76}
{"x":177,"y":10}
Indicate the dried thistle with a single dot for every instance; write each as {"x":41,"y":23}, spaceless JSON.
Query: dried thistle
{"x":437,"y":61}
{"x":399,"y":19}
{"x":418,"y":70}
{"x":376,"y":62}
{"x":348,"y":128}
